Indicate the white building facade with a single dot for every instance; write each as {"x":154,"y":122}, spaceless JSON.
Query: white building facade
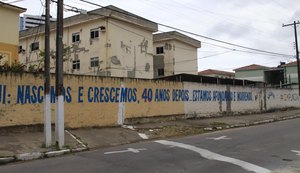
{"x":105,"y":42}
{"x":175,"y":53}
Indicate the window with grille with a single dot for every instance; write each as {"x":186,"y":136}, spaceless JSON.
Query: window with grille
{"x":76,"y":64}
{"x":159,"y":50}
{"x":161,"y":72}
{"x":94,"y":33}
{"x":35,"y":46}
{"x":75,"y":37}
{"x":95,"y":62}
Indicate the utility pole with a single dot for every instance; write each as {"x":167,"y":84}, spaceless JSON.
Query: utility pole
{"x":297,"y":50}
{"x":59,"y":124}
{"x":47,"y":101}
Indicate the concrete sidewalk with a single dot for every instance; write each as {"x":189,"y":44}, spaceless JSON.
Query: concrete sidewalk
{"x":27,"y":143}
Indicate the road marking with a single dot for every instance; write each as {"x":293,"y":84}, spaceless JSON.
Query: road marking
{"x":74,"y":137}
{"x":143,"y":136}
{"x":126,"y":151}
{"x":214,"y":156}
{"x":295,"y":151}
{"x":220,"y":138}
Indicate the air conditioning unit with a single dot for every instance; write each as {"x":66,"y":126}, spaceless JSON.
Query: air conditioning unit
{"x":102,"y":28}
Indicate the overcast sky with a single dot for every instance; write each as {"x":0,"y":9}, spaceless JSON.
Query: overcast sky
{"x":251,"y":23}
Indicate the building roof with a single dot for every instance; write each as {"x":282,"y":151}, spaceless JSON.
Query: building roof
{"x":294,"y":63}
{"x":104,"y":12}
{"x":217,"y":72}
{"x":13,"y":7}
{"x":210,"y":80}
{"x":252,"y":67}
{"x":174,"y":35}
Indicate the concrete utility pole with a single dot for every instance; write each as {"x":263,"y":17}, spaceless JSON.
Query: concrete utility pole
{"x":47,"y":101}
{"x":297,"y":50}
{"x":59,"y":124}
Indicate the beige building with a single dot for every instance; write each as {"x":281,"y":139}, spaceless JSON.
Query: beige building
{"x":105,"y":42}
{"x":174,"y":53}
{"x":9,"y":35}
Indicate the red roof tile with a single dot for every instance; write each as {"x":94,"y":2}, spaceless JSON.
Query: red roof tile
{"x":294,"y":63}
{"x":217,"y":72}
{"x":252,"y":67}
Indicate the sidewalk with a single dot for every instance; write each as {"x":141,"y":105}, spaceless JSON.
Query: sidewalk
{"x":27,"y":143}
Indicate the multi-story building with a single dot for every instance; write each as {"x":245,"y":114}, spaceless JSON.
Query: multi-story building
{"x":107,"y":41}
{"x":9,"y":35}
{"x":174,"y":53}
{"x":30,"y":21}
{"x":217,"y":74}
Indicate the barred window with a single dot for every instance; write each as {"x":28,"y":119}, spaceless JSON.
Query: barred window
{"x":75,"y":37}
{"x":94,"y":33}
{"x":95,"y":62}
{"x":76,"y":64}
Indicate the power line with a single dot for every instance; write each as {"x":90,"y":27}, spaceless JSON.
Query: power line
{"x":75,"y":9}
{"x":188,"y":32}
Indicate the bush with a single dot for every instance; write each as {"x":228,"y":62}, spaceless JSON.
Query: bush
{"x":14,"y":67}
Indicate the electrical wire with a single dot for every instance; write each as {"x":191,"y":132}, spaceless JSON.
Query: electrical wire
{"x":188,"y":32}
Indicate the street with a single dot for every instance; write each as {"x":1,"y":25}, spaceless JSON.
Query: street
{"x":265,"y":148}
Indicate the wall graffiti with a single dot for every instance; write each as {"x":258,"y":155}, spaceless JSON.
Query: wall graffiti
{"x":270,"y":95}
{"x":32,"y":94}
{"x":289,"y":97}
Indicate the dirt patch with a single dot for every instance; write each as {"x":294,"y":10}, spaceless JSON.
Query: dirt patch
{"x":172,"y":131}
{"x":21,"y":129}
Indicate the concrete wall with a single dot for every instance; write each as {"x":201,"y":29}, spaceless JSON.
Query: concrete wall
{"x":102,"y":101}
{"x":206,"y":99}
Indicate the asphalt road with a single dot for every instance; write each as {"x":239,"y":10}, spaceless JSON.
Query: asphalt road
{"x":265,"y":148}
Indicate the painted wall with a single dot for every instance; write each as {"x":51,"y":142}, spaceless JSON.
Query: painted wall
{"x":186,"y":59}
{"x":9,"y":19}
{"x":168,"y":57}
{"x":130,"y":54}
{"x":178,"y":57}
{"x":206,"y":99}
{"x":291,"y":75}
{"x":9,"y":35}
{"x":254,"y":75}
{"x":103,"y":101}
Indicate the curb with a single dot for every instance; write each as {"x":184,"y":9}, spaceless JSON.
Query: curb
{"x":251,"y":124}
{"x":39,"y":155}
{"x":5,"y":160}
{"x":29,"y":156}
{"x":47,"y":154}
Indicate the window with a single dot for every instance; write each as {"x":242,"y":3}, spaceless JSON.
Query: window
{"x":161,"y":72}
{"x":95,"y":62}
{"x":159,"y":50}
{"x":21,"y":50}
{"x":94,"y":33}
{"x":76,"y":64}
{"x":35,"y":46}
{"x":75,"y":37}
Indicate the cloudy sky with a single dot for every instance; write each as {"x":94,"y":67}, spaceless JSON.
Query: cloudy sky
{"x":251,"y":23}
